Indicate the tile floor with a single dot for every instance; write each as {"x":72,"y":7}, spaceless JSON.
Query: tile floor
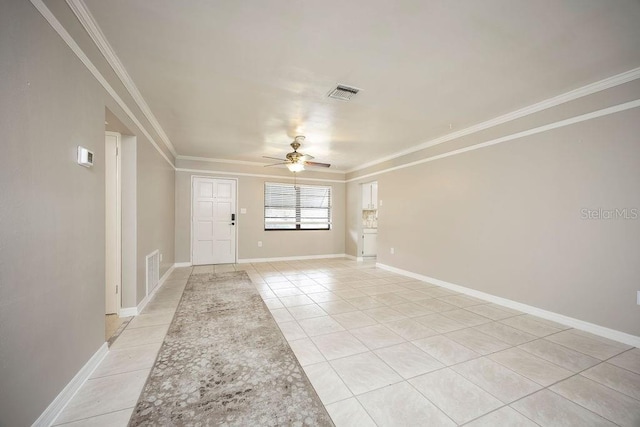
{"x":382,"y":349}
{"x":112,"y":323}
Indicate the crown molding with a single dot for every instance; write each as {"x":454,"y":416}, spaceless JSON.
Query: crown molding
{"x":214,"y":160}
{"x":84,"y":16}
{"x":90,"y":25}
{"x":243,"y":162}
{"x":583,"y":91}
{"x":258,"y":175}
{"x":577,"y":119}
{"x":62,"y":32}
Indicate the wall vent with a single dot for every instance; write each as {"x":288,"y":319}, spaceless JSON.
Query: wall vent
{"x":343,"y":93}
{"x":153,"y":270}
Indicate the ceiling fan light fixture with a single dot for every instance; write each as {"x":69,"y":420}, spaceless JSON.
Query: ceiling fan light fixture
{"x":296,"y":167}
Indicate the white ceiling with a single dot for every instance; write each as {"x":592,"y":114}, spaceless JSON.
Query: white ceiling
{"x":239,"y":79}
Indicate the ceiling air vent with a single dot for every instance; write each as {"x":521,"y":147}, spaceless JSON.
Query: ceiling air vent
{"x":343,"y":93}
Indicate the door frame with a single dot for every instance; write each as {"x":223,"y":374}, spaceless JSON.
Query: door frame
{"x":235,"y":231}
{"x":118,"y":222}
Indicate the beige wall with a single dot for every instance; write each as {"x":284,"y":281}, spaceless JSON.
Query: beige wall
{"x":250,"y":226}
{"x":506,"y":220}
{"x":155,"y":212}
{"x":52,"y":213}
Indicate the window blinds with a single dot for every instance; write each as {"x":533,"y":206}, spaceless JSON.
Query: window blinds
{"x":300,"y":207}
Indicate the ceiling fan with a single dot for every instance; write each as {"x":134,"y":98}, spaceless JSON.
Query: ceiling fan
{"x":295,"y":161}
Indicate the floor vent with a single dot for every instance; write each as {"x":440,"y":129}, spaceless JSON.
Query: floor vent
{"x":343,"y":93}
{"x":153,"y":270}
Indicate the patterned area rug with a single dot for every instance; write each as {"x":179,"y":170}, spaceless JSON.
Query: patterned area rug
{"x":224,"y":361}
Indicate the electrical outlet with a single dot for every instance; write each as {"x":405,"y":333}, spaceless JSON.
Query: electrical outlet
{"x":243,"y":210}
{"x":392,"y":250}
{"x":379,"y":202}
{"x":160,"y":256}
{"x":259,"y":243}
{"x":638,"y":298}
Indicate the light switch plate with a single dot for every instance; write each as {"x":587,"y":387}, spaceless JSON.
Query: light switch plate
{"x":243,"y":210}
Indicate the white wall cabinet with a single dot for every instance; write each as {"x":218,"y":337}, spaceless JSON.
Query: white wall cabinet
{"x":370,"y":196}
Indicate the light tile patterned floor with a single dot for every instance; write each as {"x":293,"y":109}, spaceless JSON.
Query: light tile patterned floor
{"x":382,"y":349}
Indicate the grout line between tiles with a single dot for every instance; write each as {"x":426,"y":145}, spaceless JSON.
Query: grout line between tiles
{"x":123,"y":372}
{"x":88,"y":418}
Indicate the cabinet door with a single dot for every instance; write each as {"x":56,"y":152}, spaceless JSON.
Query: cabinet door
{"x":366,"y":196}
{"x":374,"y":195}
{"x":369,"y":245}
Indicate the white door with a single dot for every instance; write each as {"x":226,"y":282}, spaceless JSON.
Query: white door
{"x":213,"y":231}
{"x":113,"y":224}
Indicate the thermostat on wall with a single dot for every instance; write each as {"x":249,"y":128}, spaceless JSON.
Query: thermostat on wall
{"x":85,"y":157}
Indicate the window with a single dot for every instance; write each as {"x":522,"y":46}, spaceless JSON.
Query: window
{"x":296,"y":207}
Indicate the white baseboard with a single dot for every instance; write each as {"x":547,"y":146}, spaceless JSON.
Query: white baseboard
{"x":128,"y":312}
{"x":52,"y":412}
{"x":148,"y":298}
{"x":602,"y":331}
{"x":360,"y":258}
{"x":291,"y":258}
{"x":134,"y":311}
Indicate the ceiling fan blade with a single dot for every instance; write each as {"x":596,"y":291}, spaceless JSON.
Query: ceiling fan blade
{"x":273,"y":158}
{"x":276,"y":164}
{"x":307,"y":157}
{"x":322,"y":165}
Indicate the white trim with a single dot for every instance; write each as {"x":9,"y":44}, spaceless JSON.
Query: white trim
{"x":291,"y":258}
{"x":583,"y":91}
{"x":258,"y":175}
{"x":57,"y":26}
{"x":134,"y":311}
{"x":577,"y":119}
{"x":54,"y":409}
{"x":182,"y":264}
{"x":602,"y":331}
{"x":117,"y":245}
{"x":244,"y":162}
{"x":128,"y":312}
{"x":357,"y":258}
{"x":83,"y":14}
{"x":589,"y":89}
{"x":148,"y":298}
{"x":237,"y":226}
{"x":566,"y":122}
{"x":213,"y":160}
